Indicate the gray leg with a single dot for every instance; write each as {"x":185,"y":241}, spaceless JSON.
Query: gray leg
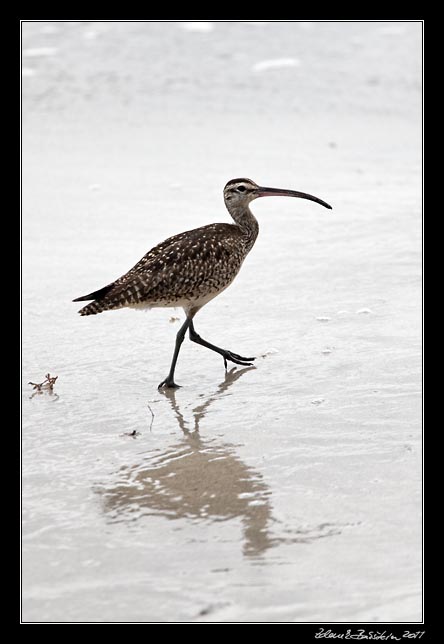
{"x":169,"y":380}
{"x":226,"y":355}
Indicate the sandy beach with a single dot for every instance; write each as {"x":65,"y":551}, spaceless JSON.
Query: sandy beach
{"x":288,"y":491}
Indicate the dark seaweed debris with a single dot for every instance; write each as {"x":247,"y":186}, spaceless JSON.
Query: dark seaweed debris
{"x":47,"y":385}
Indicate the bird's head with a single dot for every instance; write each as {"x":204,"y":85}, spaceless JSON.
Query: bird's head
{"x":238,"y":193}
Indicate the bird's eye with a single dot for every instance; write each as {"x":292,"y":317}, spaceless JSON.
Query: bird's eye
{"x":241,"y":188}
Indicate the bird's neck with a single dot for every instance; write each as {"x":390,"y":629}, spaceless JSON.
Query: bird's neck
{"x":247,"y":222}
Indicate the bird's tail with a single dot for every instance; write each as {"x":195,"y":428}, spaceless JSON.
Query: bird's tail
{"x":93,"y":308}
{"x":99,"y":304}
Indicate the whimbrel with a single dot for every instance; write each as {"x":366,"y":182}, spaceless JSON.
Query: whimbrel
{"x":190,"y":269}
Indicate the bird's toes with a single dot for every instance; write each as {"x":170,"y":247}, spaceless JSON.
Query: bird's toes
{"x":168,"y":384}
{"x":237,"y":359}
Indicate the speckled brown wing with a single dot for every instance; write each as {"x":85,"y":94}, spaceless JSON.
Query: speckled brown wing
{"x":193,"y":267}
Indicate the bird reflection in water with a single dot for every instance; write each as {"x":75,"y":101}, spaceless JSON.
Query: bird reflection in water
{"x":203,"y":479}
{"x":200,"y":411}
{"x":196,"y":478}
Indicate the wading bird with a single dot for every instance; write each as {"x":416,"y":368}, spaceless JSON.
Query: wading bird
{"x":190,"y":269}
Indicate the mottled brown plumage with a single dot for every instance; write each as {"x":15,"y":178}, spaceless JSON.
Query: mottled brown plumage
{"x":182,"y":271}
{"x":190,"y":269}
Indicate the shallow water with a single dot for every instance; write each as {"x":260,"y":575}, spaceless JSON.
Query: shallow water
{"x":287,"y":491}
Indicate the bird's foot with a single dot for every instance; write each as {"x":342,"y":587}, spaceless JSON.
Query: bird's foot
{"x":234,"y":357}
{"x":168,"y":383}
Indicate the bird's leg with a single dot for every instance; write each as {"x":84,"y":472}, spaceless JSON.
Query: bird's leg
{"x":226,"y":355}
{"x":169,"y":380}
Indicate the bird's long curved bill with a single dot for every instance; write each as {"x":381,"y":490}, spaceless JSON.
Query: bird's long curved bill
{"x":278,"y":192}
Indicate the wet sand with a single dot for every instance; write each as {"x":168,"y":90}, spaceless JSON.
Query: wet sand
{"x":287,"y":491}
